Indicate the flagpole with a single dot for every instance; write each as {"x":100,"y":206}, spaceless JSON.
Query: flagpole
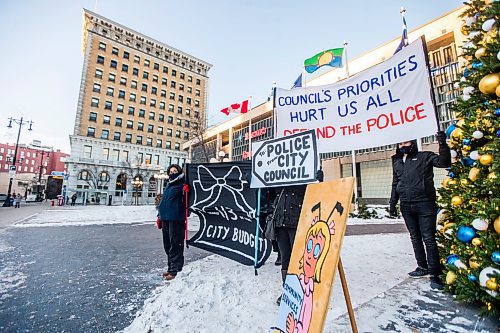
{"x":257,"y":233}
{"x":275,"y":123}
{"x":250,"y":128}
{"x":353,"y":152}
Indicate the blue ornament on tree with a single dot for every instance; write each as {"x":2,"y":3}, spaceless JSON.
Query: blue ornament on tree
{"x":472,"y":277}
{"x":466,"y":142}
{"x":451,"y":175}
{"x":478,"y":64}
{"x":467,"y":72}
{"x":498,"y":133}
{"x":495,"y":256}
{"x":465,"y":234}
{"x":450,"y":129}
{"x":467,"y":161}
{"x":497,"y":112}
{"x":450,"y":260}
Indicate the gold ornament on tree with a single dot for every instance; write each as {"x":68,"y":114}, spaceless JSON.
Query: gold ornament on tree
{"x":489,"y":83}
{"x":476,"y":241}
{"x":474,"y":263}
{"x":457,"y":200}
{"x":473,"y":174}
{"x":486,"y":159}
{"x":481,"y":52}
{"x":496,"y":225}
{"x":450,"y":277}
{"x":491,"y":284}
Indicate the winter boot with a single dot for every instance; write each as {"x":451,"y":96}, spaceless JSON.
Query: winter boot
{"x":278,"y":260}
{"x":283,"y":278}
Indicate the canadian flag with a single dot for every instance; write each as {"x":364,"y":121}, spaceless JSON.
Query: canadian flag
{"x":236,"y":108}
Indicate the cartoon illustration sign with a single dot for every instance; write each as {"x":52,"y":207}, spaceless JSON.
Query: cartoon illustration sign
{"x":226,"y":205}
{"x":315,"y":256}
{"x":291,"y":160}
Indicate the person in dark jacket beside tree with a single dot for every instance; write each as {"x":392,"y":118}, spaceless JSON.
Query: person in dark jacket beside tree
{"x":413,"y":186}
{"x":172,"y":220}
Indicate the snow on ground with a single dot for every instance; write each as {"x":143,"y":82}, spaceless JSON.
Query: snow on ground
{"x":11,"y":279}
{"x":219,"y":295}
{"x":381,"y":215}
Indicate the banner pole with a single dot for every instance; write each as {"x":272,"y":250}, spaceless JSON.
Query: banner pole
{"x":343,"y":280}
{"x":431,"y":82}
{"x":257,"y":233}
{"x":275,"y":123}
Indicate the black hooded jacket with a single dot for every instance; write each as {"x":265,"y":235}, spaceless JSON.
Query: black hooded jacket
{"x":413,"y":179}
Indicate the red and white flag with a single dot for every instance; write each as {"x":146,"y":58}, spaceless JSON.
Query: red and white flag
{"x":236,"y":108}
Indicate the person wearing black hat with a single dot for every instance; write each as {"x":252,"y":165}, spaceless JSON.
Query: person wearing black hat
{"x":172,"y":220}
{"x":413,"y":186}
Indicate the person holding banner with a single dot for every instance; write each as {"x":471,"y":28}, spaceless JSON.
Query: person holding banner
{"x":413,"y":186}
{"x":172,"y":220}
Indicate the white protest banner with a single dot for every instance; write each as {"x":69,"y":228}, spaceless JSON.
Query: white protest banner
{"x":287,"y":161}
{"x":387,"y":103}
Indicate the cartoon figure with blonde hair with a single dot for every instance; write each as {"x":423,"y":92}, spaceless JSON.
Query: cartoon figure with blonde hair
{"x":316,"y":249}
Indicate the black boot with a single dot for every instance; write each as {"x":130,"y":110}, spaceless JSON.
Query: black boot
{"x":283,"y":278}
{"x":278,"y":260}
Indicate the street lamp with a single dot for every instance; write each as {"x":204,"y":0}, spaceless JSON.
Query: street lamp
{"x":137,"y":184}
{"x":160,"y":177}
{"x":20,"y":122}
{"x":222,"y":154}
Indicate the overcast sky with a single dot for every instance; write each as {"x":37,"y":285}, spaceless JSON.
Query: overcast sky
{"x":250,"y":44}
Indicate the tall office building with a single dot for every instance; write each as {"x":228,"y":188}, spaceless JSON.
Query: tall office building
{"x":139,"y":100}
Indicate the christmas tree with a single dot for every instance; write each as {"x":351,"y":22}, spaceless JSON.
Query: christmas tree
{"x":469,"y":219}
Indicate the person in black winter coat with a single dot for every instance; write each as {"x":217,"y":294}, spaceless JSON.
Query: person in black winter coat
{"x":413,"y":186}
{"x":172,"y":220}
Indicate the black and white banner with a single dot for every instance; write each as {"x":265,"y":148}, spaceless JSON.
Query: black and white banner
{"x":226,"y":205}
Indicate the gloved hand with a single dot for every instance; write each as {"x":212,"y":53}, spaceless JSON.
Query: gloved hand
{"x":185,"y":188}
{"x":158,"y":222}
{"x":393,"y":210}
{"x":320,"y":175}
{"x":441,"y":138}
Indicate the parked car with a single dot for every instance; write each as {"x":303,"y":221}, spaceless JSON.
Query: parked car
{"x":3,"y":197}
{"x":31,"y":198}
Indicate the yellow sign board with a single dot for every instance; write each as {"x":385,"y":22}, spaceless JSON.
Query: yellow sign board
{"x":315,"y":256}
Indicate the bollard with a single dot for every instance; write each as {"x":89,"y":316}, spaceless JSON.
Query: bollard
{"x":52,"y":203}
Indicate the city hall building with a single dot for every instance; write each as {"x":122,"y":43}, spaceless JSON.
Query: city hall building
{"x":139,"y":100}
{"x":231,"y":139}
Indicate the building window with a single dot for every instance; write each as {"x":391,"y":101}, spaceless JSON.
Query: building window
{"x":106,"y":120}
{"x":181,"y":87}
{"x":132,"y":97}
{"x":119,"y":108}
{"x":108,"y":105}
{"x":114,"y":51}
{"x":171,"y":108}
{"x":198,"y":82}
{"x":197,"y":103}
{"x":162,"y":105}
{"x":188,"y":112}
{"x":94,"y":102}
{"x":93,"y":116}
{"x":178,"y":134}
{"x":158,"y":143}
{"x":118,"y":122}
{"x":133,"y":85}
{"x":125,"y":155}
{"x":196,"y":114}
{"x":172,"y":96}
{"x":177,"y":146}
{"x":137,"y":59}
{"x":146,"y":62}
{"x":165,"y":69}
{"x":154,"y":90}
{"x":140,"y":126}
{"x":168,"y":144}
{"x":170,"y":120}
{"x":139,"y":139}
{"x":105,"y":134}
{"x":155,"y":78}
{"x":189,"y":90}
{"x":110,"y":91}
{"x":186,"y":136}
{"x":190,"y":78}
{"x":188,"y":100}
{"x":116,"y":155}
{"x":161,"y":117}
{"x":126,"y":55}
{"x":181,"y":98}
{"x":91,"y":131}
{"x":148,"y":158}
{"x":142,"y":113}
{"x":169,"y":132}
{"x":181,"y":76}
{"x":135,"y":71}
{"x":124,"y":68}
{"x":102,"y":46}
{"x":152,"y":102}
{"x":117,"y":136}
{"x":145,"y":75}
{"x":163,"y":93}
{"x":152,"y":116}
{"x":105,"y":153}
{"x":130,"y":124}
{"x":156,"y":66}
{"x":100,"y":59}
{"x":121,"y":94}
{"x":179,"y":122}
{"x":160,"y":130}
{"x":131,"y":110}
{"x":186,"y":123}
{"x":96,"y":88}
{"x":128,"y":137}
{"x":143,"y":100}
{"x":197,"y":92}
{"x":149,"y":142}
{"x":164,"y":81}
{"x":179,"y":109}
{"x":113,"y":64}
{"x":83,"y":175}
{"x":144,"y":87}
{"x":111,"y":77}
{"x":174,"y":72}
{"x":98,"y":73}
{"x":123,"y":81}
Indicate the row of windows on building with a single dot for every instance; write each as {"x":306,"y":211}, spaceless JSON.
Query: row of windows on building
{"x":108,"y":105}
{"x":106,"y":120}
{"x":137,"y":60}
{"x":122,"y":155}
{"x":11,"y":152}
{"x":117,"y":136}
{"x":20,"y":168}
{"x":21,"y":159}
{"x":144,"y":87}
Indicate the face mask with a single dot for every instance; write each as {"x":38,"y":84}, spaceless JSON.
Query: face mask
{"x":405,"y":149}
